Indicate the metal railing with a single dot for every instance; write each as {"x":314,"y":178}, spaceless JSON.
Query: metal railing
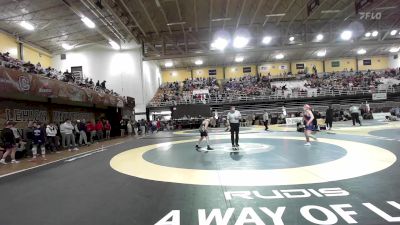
{"x":275,"y":96}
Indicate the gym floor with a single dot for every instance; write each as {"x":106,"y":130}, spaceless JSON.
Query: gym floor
{"x":349,"y":175}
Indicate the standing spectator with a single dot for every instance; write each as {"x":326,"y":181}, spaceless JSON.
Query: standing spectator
{"x":158,"y":125}
{"x":69,"y":136}
{"x":51,"y":132}
{"x":265,"y":119}
{"x":82,"y":132}
{"x":122,"y":124}
{"x":329,"y":118}
{"x":129,"y":128}
{"x":107,"y":127}
{"x":38,"y":141}
{"x":8,"y":139}
{"x":136,"y":126}
{"x":355,"y":114}
{"x":99,"y":130}
{"x":143,"y":127}
{"x":91,"y":130}
{"x":28,"y":137}
{"x":62,"y":132}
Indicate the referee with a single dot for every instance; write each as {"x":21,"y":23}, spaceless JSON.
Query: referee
{"x":233,"y":117}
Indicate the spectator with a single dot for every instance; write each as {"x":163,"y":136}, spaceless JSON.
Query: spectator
{"x":91,"y":130}
{"x":107,"y":127}
{"x":38,"y":141}
{"x":142,"y":127}
{"x":68,"y":129}
{"x":8,"y":140}
{"x":122,"y":125}
{"x":99,"y":130}
{"x":82,"y":132}
{"x":129,"y":128}
{"x":28,"y":138}
{"x":51,"y":133}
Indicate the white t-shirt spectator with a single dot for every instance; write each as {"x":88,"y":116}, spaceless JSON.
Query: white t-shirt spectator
{"x":234,"y":117}
{"x":265,"y":116}
{"x":66,"y":128}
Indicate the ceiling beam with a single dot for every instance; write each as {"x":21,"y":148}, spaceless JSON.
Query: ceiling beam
{"x":286,"y":11}
{"x":390,"y":29}
{"x":295,"y":17}
{"x":316,"y":10}
{"x":226,"y":13}
{"x":195,"y":15}
{"x":240,"y":14}
{"x":164,"y":15}
{"x":79,"y":13}
{"x":149,"y":17}
{"x":123,"y":4}
{"x":270,"y":12}
{"x":210,"y":19}
{"x":260,"y":2}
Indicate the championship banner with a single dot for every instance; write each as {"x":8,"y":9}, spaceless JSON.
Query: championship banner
{"x":200,"y":91}
{"x":379,"y":96}
{"x":13,"y":82}
{"x":294,"y":120}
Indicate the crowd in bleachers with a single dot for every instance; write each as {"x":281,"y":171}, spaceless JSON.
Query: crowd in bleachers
{"x":9,"y":62}
{"x":258,"y":85}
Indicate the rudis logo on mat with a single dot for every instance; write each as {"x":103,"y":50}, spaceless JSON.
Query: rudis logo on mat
{"x":24,"y":83}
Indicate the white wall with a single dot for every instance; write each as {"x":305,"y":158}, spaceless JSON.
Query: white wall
{"x":394,"y":63}
{"x":123,"y":70}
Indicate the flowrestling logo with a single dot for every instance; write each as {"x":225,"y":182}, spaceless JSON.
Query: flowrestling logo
{"x":370,"y":15}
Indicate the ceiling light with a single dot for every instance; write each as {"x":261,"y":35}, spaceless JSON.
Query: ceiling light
{"x":291,"y":38}
{"x":394,"y":50}
{"x":240,"y":42}
{"x":279,"y":56}
{"x":393,"y":32}
{"x":67,"y":46}
{"x":239,"y":59}
{"x":361,"y":51}
{"x":266,"y":40}
{"x":177,"y":23}
{"x":368,"y":34}
{"x":174,"y":73}
{"x":275,"y":15}
{"x":375,"y":33}
{"x":330,"y":11}
{"x":220,"y":44}
{"x":321,"y":53}
{"x":320,"y":37}
{"x":169,"y":64}
{"x":198,"y":62}
{"x":89,"y":23}
{"x":27,"y":25}
{"x":114,"y":45}
{"x":346,"y":35}
{"x":220,"y":19}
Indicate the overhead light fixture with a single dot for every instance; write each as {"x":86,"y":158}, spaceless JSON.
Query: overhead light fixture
{"x":239,"y":59}
{"x":321,"y":53}
{"x":240,"y":42}
{"x":394,"y":50}
{"x":198,"y":62}
{"x":375,"y":33}
{"x":177,"y":23}
{"x":169,"y":64}
{"x":393,"y":32}
{"x":346,"y":35}
{"x":266,"y":40}
{"x":279,"y":56}
{"x":361,"y":51}
{"x":220,"y":19}
{"x":320,"y":37}
{"x":220,"y":44}
{"x":88,"y":22}
{"x":67,"y":46}
{"x":330,"y":11}
{"x":27,"y":25}
{"x":114,"y":45}
{"x":291,"y":38}
{"x":368,"y":34}
{"x":174,"y":73}
{"x":275,"y":15}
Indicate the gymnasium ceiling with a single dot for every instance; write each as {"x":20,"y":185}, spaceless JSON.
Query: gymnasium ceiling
{"x":182,"y":30}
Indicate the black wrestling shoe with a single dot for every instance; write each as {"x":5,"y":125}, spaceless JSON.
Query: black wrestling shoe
{"x":198,"y":148}
{"x":209,"y":148}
